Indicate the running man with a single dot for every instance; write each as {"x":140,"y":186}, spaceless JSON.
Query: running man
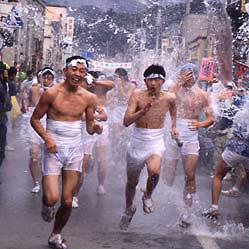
{"x":147,"y":109}
{"x":64,"y":105}
{"x":235,"y":153}
{"x":191,"y":103}
{"x":99,"y":85}
{"x":34,"y":92}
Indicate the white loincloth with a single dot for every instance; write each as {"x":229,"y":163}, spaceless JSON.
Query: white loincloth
{"x":188,"y":137}
{"x":68,"y":138}
{"x":143,"y":144}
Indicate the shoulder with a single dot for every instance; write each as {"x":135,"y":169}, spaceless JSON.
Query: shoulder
{"x":201,"y":92}
{"x":138,"y":93}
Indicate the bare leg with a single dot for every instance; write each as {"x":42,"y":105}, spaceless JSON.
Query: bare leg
{"x":69,"y":183}
{"x":153,"y":168}
{"x":82,"y":175}
{"x":241,"y":178}
{"x":34,"y":162}
{"x":50,"y":185}
{"x":102,"y":165}
{"x":189,"y":165}
{"x":130,"y":190}
{"x":220,"y":171}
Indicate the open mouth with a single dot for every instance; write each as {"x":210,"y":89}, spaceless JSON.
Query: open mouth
{"x":76,"y":80}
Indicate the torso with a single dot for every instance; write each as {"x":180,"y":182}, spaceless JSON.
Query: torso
{"x":154,"y":118}
{"x":189,"y":103}
{"x":68,"y":106}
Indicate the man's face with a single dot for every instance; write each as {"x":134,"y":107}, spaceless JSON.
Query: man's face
{"x":154,"y":85}
{"x":75,"y":74}
{"x":47,"y":79}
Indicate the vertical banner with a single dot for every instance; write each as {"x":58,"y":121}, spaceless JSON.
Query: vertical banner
{"x":207,"y":69}
{"x":69,"y":30}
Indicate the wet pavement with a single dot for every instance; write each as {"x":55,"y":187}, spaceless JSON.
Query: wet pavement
{"x":95,"y":224}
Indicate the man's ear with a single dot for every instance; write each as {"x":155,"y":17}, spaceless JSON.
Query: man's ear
{"x":64,"y":70}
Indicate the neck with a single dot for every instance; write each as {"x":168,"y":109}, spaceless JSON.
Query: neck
{"x":69,"y":87}
{"x":155,"y":93}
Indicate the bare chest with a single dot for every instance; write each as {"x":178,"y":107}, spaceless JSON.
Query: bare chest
{"x":70,"y":106}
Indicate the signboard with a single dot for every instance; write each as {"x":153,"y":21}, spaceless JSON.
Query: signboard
{"x":14,"y":19}
{"x":207,"y":69}
{"x":110,"y":65}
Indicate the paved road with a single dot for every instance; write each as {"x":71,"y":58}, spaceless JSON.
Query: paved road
{"x":94,"y":225}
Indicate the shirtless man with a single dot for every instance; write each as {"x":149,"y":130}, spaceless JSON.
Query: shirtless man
{"x":118,"y":100}
{"x":33,"y":94}
{"x":99,"y":85}
{"x":64,"y":105}
{"x":191,"y":103}
{"x":147,"y":109}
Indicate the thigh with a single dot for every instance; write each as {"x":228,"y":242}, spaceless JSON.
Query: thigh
{"x":35,"y":149}
{"x":100,"y":153}
{"x":222,"y":168}
{"x":154,"y":164}
{"x":70,"y":181}
{"x":50,"y":185}
{"x":189,"y":164}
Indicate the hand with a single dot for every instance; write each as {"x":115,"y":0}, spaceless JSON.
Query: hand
{"x":51,"y":146}
{"x":184,"y":77}
{"x":149,"y":105}
{"x":194,"y":125}
{"x":98,"y":128}
{"x":174,"y":133}
{"x":23,"y":109}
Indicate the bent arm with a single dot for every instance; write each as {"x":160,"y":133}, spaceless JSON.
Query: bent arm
{"x":108,"y":84}
{"x":208,"y":110}
{"x":90,"y":125}
{"x":172,"y":111}
{"x":40,"y":110}
{"x":131,"y":115}
{"x":101,"y":114}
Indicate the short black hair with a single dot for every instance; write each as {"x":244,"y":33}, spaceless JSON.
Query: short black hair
{"x":76,"y":57}
{"x":154,"y":68}
{"x":122,"y":73}
{"x":94,"y":74}
{"x":30,"y":72}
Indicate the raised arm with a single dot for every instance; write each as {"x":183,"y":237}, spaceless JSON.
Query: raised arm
{"x":108,"y":84}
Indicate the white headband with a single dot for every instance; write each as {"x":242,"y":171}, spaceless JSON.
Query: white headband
{"x":154,"y":76}
{"x":73,"y":63}
{"x":47,"y":70}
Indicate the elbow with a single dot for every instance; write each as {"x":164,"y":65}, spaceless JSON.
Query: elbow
{"x":125,"y":123}
{"x":32,"y":121}
{"x":90,"y":131}
{"x":212,"y":120}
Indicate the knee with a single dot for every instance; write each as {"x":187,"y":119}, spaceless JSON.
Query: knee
{"x":67,"y":202}
{"x":190,"y":177}
{"x":50,"y":200}
{"x":154,"y":177}
{"x":132,"y":183}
